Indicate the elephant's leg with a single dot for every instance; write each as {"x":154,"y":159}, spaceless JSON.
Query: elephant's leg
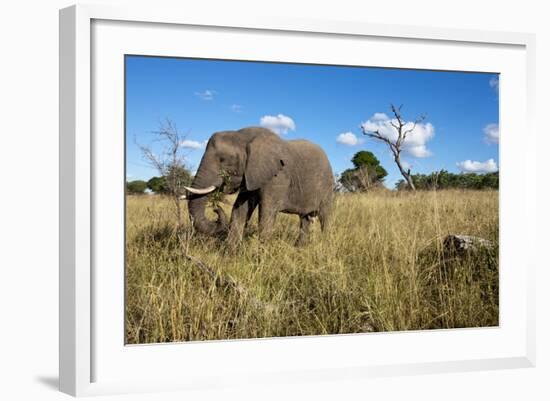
{"x":239,"y":216}
{"x":252,"y":204}
{"x":305,"y":223}
{"x":325,"y":215}
{"x":267,"y":217}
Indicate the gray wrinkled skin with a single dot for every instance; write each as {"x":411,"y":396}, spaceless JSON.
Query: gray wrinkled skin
{"x":268,"y":172}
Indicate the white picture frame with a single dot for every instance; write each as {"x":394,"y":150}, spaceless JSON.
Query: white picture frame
{"x":86,"y":348}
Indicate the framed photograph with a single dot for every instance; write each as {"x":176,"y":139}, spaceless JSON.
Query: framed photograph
{"x":266,"y":200}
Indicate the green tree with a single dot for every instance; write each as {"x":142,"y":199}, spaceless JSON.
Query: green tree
{"x":366,"y":174}
{"x":490,"y":180}
{"x":157,"y":185}
{"x":172,"y":183}
{"x":443,"y":180}
{"x":136,"y":187}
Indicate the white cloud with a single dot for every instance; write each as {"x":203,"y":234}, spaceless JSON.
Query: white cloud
{"x":491,"y":132}
{"x":236,"y":108}
{"x":471,"y":166}
{"x":208,"y":94}
{"x":415,"y":142}
{"x":349,"y":139}
{"x":280,"y":124}
{"x":189,"y":144}
{"x":379,"y":117}
{"x":494,"y":83}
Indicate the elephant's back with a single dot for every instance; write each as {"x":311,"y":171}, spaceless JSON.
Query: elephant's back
{"x":311,"y":156}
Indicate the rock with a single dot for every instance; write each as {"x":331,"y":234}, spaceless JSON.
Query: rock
{"x":461,"y":244}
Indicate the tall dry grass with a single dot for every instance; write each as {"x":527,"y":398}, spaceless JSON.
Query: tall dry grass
{"x":381,"y":267}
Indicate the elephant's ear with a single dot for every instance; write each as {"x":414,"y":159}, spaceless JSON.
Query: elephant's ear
{"x":266,"y":156}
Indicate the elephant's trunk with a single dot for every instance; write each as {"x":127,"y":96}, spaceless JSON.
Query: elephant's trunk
{"x":197,"y":204}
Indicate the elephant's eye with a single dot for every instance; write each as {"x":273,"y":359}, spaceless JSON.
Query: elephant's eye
{"x":222,"y":159}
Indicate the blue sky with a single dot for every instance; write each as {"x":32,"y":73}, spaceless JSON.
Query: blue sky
{"x":324,"y":104}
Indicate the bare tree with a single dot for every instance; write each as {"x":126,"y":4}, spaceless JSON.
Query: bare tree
{"x":169,"y":162}
{"x":402,"y":129}
{"x":364,"y":178}
{"x":357,"y":180}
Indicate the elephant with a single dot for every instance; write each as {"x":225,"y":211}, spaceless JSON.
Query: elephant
{"x":268,"y":172}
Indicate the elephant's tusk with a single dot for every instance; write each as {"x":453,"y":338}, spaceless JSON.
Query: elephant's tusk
{"x":182,"y":197}
{"x":201,"y":191}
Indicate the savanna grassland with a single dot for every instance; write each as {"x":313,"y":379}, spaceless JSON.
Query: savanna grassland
{"x":381,"y":267}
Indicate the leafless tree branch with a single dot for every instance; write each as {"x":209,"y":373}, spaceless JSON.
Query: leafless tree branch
{"x":170,"y":162}
{"x":397,"y":146}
